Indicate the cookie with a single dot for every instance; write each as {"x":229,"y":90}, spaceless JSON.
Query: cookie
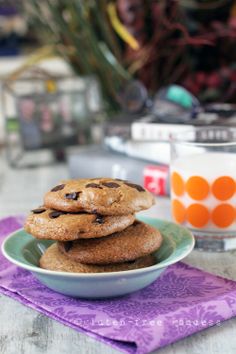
{"x":51,"y":224}
{"x":104,"y":196}
{"x":136,"y":241}
{"x":53,"y":259}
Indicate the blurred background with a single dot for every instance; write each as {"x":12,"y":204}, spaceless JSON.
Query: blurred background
{"x":96,"y":88}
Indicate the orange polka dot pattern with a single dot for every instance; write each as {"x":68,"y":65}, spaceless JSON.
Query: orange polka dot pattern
{"x":177,"y":183}
{"x":197,"y":189}
{"x":178,"y":210}
{"x":223,"y":188}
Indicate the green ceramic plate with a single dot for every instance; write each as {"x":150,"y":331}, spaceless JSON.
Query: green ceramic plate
{"x":23,"y":250}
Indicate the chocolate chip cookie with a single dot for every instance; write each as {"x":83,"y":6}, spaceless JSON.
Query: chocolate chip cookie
{"x":135,"y":241}
{"x":52,"y":224}
{"x":53,"y":259}
{"x":104,"y":196}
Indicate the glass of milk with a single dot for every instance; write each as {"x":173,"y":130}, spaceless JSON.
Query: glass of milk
{"x":203,"y":185}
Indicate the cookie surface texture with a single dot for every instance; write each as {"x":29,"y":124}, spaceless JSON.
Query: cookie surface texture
{"x":53,"y":259}
{"x":138,"y":240}
{"x":104,"y":196}
{"x":51,"y":224}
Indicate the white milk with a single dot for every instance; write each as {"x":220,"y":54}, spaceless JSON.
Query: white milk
{"x":210,"y":166}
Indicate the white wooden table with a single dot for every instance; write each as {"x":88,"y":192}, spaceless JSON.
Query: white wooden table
{"x":24,"y":331}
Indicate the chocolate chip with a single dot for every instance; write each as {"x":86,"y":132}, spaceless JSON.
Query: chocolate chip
{"x":93,"y":185}
{"x":55,"y":214}
{"x":136,"y":186}
{"x":72,"y":196}
{"x":38,"y":211}
{"x":99,"y":219}
{"x":68,"y":245}
{"x":58,"y":188}
{"x":136,"y":222}
{"x":111,"y":184}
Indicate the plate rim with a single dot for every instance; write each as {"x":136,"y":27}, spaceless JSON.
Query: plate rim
{"x":155,"y":267}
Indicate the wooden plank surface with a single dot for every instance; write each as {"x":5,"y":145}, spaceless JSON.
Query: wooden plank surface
{"x":24,"y":331}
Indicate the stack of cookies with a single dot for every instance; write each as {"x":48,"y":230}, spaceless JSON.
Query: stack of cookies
{"x":94,"y":226}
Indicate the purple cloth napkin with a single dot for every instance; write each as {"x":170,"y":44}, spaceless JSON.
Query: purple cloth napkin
{"x":183,"y":301}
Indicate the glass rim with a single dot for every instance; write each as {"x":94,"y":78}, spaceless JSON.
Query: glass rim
{"x":180,"y":137}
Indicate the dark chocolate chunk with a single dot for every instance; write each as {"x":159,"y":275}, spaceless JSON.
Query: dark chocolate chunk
{"x":111,"y":184}
{"x":68,"y":245}
{"x":136,"y":186}
{"x":99,"y":219}
{"x":93,"y":185}
{"x":38,"y":211}
{"x":55,"y":214}
{"x":72,"y":196}
{"x":136,"y":222}
{"x":58,"y":188}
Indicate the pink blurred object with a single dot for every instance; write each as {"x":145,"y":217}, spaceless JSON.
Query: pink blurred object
{"x":156,"y":179}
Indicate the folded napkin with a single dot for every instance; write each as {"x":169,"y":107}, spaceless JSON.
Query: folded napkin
{"x":184,"y":300}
